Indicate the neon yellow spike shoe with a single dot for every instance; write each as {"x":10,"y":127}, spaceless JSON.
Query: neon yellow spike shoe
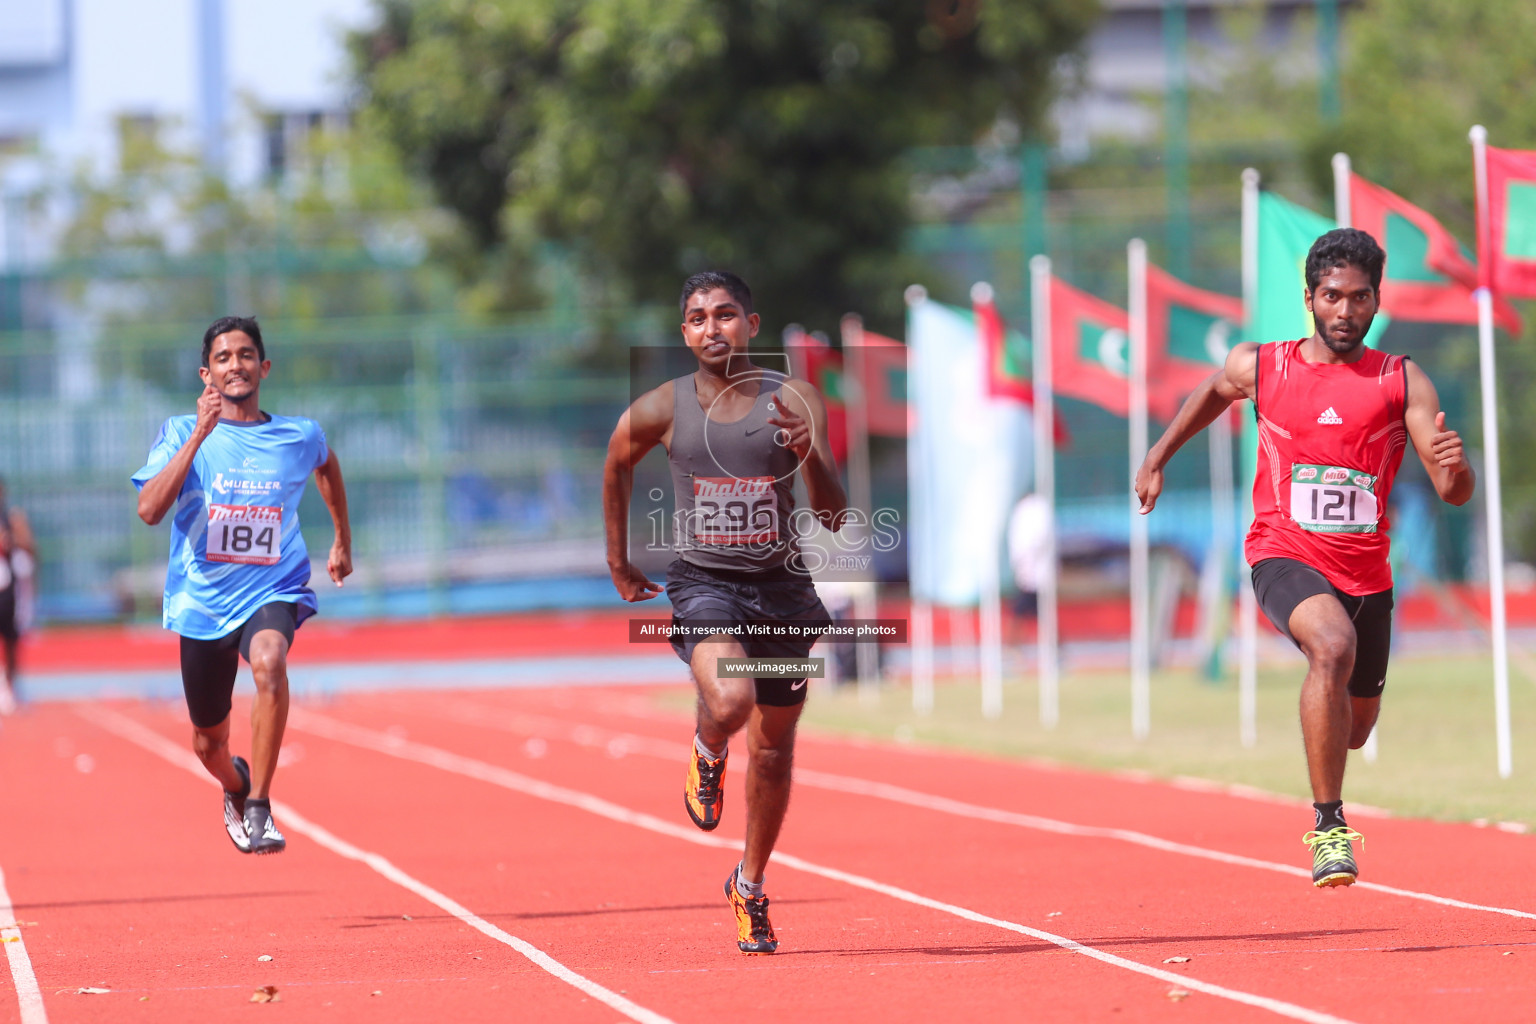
{"x":1333,"y":859}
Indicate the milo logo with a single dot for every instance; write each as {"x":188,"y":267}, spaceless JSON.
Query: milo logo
{"x":1307,"y":473}
{"x":1335,"y":475}
{"x":1361,"y":480}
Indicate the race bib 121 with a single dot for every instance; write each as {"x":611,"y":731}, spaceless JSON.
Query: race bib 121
{"x":246,"y":534}
{"x":1333,"y":499}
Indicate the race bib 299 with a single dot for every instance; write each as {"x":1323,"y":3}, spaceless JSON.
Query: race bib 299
{"x":1333,"y":499}
{"x":246,"y":534}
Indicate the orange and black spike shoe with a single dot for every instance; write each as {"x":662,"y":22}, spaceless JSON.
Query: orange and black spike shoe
{"x":703,"y":795}
{"x":754,"y":935}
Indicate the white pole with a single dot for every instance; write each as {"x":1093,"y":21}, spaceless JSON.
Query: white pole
{"x":919,"y":518}
{"x":991,"y":598}
{"x":856,"y":402}
{"x":1141,"y":642}
{"x":1045,"y":485}
{"x":1495,"y":500}
{"x":922,"y":657}
{"x":1247,"y":605}
{"x":1342,"y":214}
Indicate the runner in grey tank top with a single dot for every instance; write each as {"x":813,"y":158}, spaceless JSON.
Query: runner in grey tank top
{"x":733,"y":481}
{"x":736,"y":436}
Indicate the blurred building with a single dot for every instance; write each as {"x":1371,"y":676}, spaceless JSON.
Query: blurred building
{"x":242,"y":83}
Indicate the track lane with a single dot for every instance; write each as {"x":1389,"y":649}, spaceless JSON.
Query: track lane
{"x":1330,"y":939}
{"x":133,"y":887}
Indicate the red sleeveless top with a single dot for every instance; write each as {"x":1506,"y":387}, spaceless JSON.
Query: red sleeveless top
{"x":1331,"y":437}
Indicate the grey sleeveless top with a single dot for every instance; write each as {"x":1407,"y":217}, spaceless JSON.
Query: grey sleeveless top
{"x":732,"y":483}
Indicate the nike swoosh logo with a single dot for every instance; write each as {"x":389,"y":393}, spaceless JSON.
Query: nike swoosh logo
{"x":796,"y":686}
{"x":754,"y":430}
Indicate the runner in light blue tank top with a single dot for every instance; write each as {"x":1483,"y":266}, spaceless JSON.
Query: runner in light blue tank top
{"x":238,"y":579}
{"x":235,"y":539}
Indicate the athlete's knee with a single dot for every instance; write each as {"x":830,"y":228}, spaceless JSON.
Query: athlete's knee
{"x":269,"y":669}
{"x":208,"y":746}
{"x":774,"y":762}
{"x":1333,"y":653}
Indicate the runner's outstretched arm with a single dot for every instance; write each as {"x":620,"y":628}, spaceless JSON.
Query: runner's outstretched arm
{"x":334,"y":493}
{"x":1234,"y":381}
{"x":644,"y":425}
{"x":805,"y":419}
{"x":1439,"y":449}
{"x":160,"y":492}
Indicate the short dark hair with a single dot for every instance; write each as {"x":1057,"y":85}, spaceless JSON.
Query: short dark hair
{"x":225,"y":324}
{"x":706,"y":280}
{"x":1345,"y":247}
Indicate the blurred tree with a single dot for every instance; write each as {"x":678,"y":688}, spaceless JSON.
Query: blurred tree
{"x":651,"y":138}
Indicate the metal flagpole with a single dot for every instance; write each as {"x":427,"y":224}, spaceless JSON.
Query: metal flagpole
{"x":1247,"y":605}
{"x":919,"y":520}
{"x":1045,"y":485}
{"x":990,"y":611}
{"x":856,"y":402}
{"x":1141,"y":646}
{"x":1495,"y":500}
{"x":1343,"y":217}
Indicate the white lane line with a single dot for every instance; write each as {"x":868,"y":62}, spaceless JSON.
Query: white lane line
{"x":618,"y":743}
{"x":28,"y":995}
{"x":408,"y":750}
{"x":157,"y":744}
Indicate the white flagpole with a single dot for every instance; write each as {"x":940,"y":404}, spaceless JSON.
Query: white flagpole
{"x":856,"y":402}
{"x":918,"y":519}
{"x":1343,"y":216}
{"x":1248,"y":605}
{"x":1045,"y":485}
{"x":1141,"y":643}
{"x":1495,"y":500}
{"x":991,"y":603}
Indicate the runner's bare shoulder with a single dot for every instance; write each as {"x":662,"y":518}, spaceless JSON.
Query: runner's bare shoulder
{"x":649,"y":417}
{"x":1240,"y":372}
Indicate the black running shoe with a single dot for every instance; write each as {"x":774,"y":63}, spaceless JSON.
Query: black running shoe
{"x":1333,"y":859}
{"x":754,"y":934}
{"x":234,"y":808}
{"x":265,"y":838}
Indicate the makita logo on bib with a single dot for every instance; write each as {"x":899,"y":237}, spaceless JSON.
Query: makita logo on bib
{"x":1330,"y":418}
{"x":719,"y":488}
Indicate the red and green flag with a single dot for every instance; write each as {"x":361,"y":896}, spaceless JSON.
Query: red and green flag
{"x":885,"y":384}
{"x":1509,"y":259}
{"x":1189,"y":332}
{"x":1428,"y":276}
{"x":1090,"y":349}
{"x":1005,"y":356}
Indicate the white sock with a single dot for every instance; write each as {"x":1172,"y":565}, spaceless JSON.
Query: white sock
{"x":746,"y":889}
{"x":705,"y":752}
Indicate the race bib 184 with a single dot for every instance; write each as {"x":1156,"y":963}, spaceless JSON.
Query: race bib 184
{"x":1333,"y":499}
{"x":735,"y":510}
{"x":247,"y":534}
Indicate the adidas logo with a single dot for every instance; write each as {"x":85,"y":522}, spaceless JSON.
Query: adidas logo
{"x":1330,"y":418}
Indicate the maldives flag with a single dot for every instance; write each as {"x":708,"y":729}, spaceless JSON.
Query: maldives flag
{"x":1189,"y":332}
{"x":1428,"y":277}
{"x":885,"y":385}
{"x":1005,"y":354}
{"x":1090,"y":349}
{"x":813,"y":360}
{"x":1511,"y":255}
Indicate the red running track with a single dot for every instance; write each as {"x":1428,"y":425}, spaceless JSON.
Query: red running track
{"x":510,"y":826}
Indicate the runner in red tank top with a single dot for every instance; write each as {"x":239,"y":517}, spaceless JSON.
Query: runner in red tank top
{"x":1334,"y":418}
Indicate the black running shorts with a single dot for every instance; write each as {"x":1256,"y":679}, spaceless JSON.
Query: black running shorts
{"x":712,"y":595}
{"x":8,"y":631}
{"x":1280,"y":584}
{"x":208,"y":666}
